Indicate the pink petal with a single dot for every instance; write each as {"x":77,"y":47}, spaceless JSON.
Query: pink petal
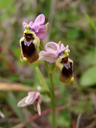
{"x":52,"y":46}
{"x":30,"y":23}
{"x":24,"y":23}
{"x":35,"y":28}
{"x":29,"y":93}
{"x":37,"y":93}
{"x":48,"y":56}
{"x":67,"y":47}
{"x":31,"y":98}
{"x":62,"y":46}
{"x":40,"y":19}
{"x":41,"y":32}
{"x":2,"y":115}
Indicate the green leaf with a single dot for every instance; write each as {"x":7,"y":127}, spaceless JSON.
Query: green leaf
{"x":91,"y":22}
{"x":13,"y":103}
{"x":42,"y":80}
{"x":89,"y":77}
{"x":89,"y":58}
{"x":81,"y":106}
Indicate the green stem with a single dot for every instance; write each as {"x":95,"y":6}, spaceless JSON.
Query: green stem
{"x":52,"y":100}
{"x":52,"y":95}
{"x":47,"y":67}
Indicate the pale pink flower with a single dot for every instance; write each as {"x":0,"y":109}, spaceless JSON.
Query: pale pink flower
{"x":32,"y":98}
{"x":38,"y":27}
{"x":2,"y":115}
{"x":52,"y":52}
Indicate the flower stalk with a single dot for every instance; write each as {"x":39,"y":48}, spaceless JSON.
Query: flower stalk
{"x":52,"y":94}
{"x":52,"y":100}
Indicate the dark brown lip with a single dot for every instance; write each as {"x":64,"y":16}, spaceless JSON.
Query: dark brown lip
{"x":67,"y":67}
{"x":28,"y":49}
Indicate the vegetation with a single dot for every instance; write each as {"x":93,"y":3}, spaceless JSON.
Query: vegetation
{"x":69,"y":24}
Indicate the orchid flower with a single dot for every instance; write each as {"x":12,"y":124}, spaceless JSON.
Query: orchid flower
{"x":59,"y":54}
{"x":52,"y":52}
{"x":29,"y":43}
{"x":37,"y":26}
{"x":32,"y":98}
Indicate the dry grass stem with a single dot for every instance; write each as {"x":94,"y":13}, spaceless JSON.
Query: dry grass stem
{"x":14,"y":87}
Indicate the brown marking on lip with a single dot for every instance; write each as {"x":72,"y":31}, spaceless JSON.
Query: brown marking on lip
{"x":28,"y":50}
{"x":66,"y":74}
{"x":28,"y":37}
{"x":67,"y":67}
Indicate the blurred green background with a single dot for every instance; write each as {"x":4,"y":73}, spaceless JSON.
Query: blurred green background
{"x":68,"y":24}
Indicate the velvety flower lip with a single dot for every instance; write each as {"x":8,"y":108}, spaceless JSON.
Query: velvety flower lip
{"x":38,"y":27}
{"x":52,"y":52}
{"x":31,"y":98}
